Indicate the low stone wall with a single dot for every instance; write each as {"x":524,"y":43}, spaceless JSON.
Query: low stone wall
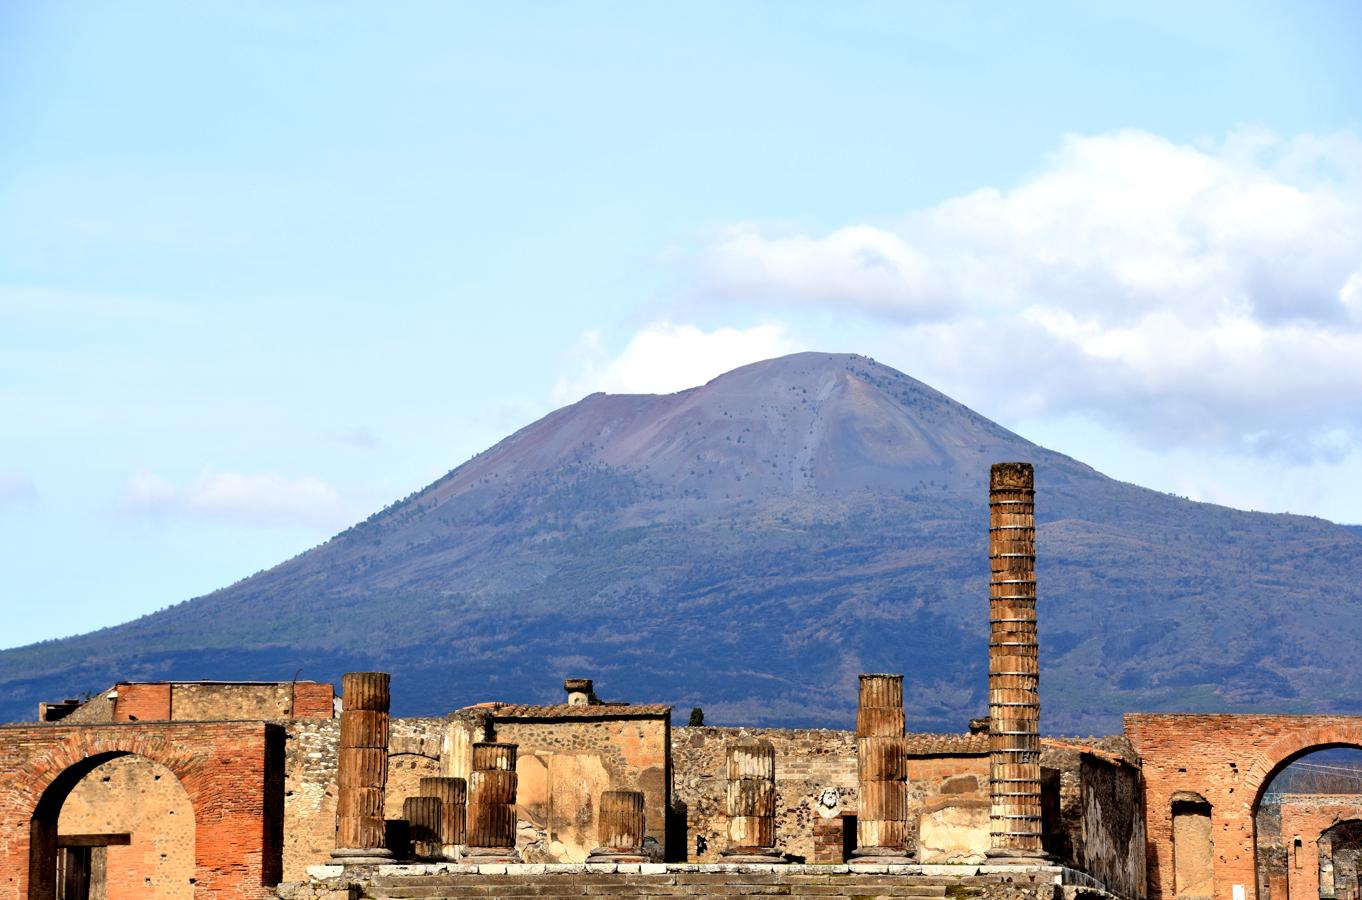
{"x":648,"y":881}
{"x":831,"y":882}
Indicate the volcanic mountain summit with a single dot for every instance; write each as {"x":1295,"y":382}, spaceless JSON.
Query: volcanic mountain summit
{"x":749,"y":546}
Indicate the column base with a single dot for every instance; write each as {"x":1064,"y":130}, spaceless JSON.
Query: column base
{"x":476,"y":856}
{"x":880,"y":856}
{"x":766,"y":856}
{"x":1005,"y":856}
{"x":362,"y":856}
{"x":617,"y":855}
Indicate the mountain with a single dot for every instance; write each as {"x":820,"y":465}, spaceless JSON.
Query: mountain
{"x":749,"y":546}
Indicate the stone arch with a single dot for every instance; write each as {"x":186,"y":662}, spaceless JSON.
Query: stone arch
{"x":232,"y":773}
{"x":1295,"y":744}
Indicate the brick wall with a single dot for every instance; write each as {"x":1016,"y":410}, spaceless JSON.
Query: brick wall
{"x":1307,"y":816}
{"x":222,"y":767}
{"x":142,"y":703}
{"x":1227,"y":759}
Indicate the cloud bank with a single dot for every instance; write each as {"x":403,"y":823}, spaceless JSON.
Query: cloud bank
{"x":665,"y":357}
{"x":262,"y":500}
{"x":1190,"y":294}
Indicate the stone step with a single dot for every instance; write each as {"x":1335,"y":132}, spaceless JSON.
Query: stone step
{"x":703,"y":885}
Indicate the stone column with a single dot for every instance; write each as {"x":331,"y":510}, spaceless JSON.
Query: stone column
{"x":453,"y":796}
{"x":882,"y":762}
{"x":619,"y":828}
{"x":1013,"y":667}
{"x":491,"y":804}
{"x":751,"y":804}
{"x":424,"y":815}
{"x":362,"y":772}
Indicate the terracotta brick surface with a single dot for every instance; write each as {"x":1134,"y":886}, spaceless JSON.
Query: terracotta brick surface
{"x":231,"y":772}
{"x":1309,"y":816}
{"x":142,"y":703}
{"x":1227,"y":759}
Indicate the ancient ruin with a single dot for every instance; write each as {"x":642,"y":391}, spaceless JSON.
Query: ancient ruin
{"x":227,"y":790}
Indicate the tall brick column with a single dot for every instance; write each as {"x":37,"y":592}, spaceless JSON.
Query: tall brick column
{"x":882,"y":762}
{"x":1013,"y":666}
{"x":453,"y":794}
{"x":491,"y":804}
{"x":751,"y":804}
{"x":363,"y":769}
{"x":619,"y":828}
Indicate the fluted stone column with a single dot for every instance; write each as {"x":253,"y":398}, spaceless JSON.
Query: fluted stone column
{"x":423,"y":815}
{"x":453,"y":794}
{"x":751,"y":804}
{"x":619,"y":828}
{"x":491,"y":804}
{"x":882,"y":763}
{"x":1013,"y":667}
{"x":362,"y":771}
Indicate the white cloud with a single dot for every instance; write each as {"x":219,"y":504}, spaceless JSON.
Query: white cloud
{"x":269,"y":499}
{"x":665,"y":357}
{"x":358,"y":436}
{"x":1207,"y":293}
{"x":16,"y":489}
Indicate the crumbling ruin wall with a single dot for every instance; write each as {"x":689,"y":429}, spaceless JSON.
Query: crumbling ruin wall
{"x":565,"y":763}
{"x":413,"y":753}
{"x":816,"y":769}
{"x":1111,"y":847}
{"x":311,"y":752}
{"x":809,"y":762}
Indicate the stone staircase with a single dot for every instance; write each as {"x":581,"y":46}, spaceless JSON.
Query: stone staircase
{"x":678,"y":884}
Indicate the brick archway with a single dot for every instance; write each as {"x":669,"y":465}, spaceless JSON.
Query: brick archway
{"x":231,"y":771}
{"x":1229,"y":759}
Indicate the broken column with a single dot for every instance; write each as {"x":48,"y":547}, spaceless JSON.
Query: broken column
{"x":453,"y":793}
{"x":1013,"y":667}
{"x":751,"y":803}
{"x":362,"y":773}
{"x":882,"y":761}
{"x":491,"y":804}
{"x":619,"y":828}
{"x":423,"y":816}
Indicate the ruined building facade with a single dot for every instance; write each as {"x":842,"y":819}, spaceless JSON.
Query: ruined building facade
{"x":201,"y":789}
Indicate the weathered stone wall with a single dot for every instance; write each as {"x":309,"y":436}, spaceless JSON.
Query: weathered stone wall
{"x":565,"y":764}
{"x":808,"y":763}
{"x":816,"y":769}
{"x":135,"y":796}
{"x":310,"y":759}
{"x":413,"y":753}
{"x":826,"y":882}
{"x":1306,"y":817}
{"x":1112,"y":840}
{"x":205,"y":701}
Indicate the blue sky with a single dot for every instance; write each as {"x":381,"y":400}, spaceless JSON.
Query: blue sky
{"x":267,"y":267}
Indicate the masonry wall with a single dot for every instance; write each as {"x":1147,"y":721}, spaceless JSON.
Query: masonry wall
{"x":1227,"y":759}
{"x":413,"y":753}
{"x":1112,"y":840}
{"x":135,"y":796}
{"x":205,"y":701}
{"x":813,"y":767}
{"x":565,"y":764}
{"x":224,"y":768}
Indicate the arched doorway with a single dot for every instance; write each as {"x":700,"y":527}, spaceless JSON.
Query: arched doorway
{"x":115,"y":826}
{"x":126,"y":831}
{"x":1300,"y":816}
{"x":1340,"y":847}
